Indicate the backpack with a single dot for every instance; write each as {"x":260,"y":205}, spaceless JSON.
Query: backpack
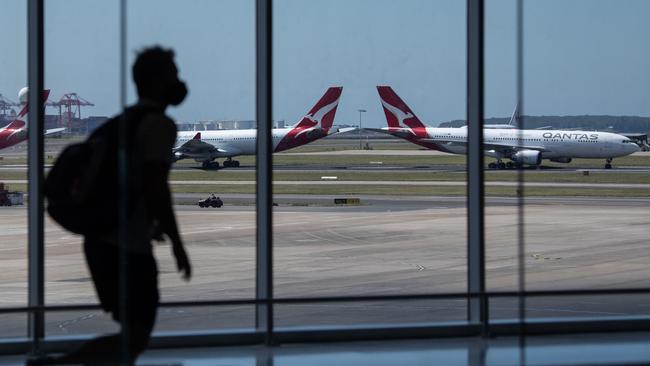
{"x":82,"y":188}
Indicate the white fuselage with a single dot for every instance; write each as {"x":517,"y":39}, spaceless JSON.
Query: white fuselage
{"x":229,"y":143}
{"x":552,"y":143}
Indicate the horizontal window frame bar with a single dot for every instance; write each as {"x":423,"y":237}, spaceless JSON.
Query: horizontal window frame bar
{"x":344,"y":299}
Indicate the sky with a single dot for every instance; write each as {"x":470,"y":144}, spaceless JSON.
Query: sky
{"x":580,"y":56}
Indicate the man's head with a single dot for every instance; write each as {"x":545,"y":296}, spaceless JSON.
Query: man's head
{"x":156,"y":77}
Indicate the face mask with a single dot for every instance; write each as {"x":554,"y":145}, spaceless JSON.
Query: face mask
{"x":176,"y":93}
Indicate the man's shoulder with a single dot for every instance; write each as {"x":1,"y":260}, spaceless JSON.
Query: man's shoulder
{"x":157,"y":124}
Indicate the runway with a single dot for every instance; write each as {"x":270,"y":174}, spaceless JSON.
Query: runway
{"x":380,"y":168}
{"x":231,"y":183}
{"x":374,"y":162}
{"x":387,"y":245}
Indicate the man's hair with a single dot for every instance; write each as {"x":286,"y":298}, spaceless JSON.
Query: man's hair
{"x":151,"y":63}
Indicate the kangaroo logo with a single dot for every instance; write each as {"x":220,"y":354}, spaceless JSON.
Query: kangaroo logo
{"x":315,"y":124}
{"x":398,"y":113}
{"x":317,"y":117}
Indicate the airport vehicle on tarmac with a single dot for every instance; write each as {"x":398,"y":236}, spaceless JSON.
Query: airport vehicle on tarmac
{"x":520,"y":147}
{"x":211,"y":201}
{"x":205,"y":146}
{"x":16,"y":131}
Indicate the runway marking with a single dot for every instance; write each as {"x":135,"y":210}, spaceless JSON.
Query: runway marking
{"x":204,"y":231}
{"x":63,"y":325}
{"x":317,"y":237}
{"x":350,"y":238}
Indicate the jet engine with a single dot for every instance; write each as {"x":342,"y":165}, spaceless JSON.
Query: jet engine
{"x":561,"y":160}
{"x":528,"y":157}
{"x":178,"y":156}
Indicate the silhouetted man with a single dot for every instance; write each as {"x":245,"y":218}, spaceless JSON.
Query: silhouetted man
{"x":151,"y":138}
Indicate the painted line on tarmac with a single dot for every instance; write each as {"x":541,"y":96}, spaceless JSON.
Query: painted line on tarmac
{"x":400,"y":183}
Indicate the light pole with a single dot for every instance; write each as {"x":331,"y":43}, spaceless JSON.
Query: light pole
{"x":360,"y":111}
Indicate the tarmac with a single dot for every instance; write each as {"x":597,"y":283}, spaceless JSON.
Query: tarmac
{"x":386,"y":245}
{"x":396,"y":245}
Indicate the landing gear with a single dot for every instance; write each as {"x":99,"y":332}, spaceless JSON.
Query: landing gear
{"x":498,"y":165}
{"x":229,"y":163}
{"x":501,"y":165}
{"x":210,"y":165}
{"x":608,"y":163}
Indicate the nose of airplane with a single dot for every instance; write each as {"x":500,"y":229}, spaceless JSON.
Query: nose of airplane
{"x":633,"y":147}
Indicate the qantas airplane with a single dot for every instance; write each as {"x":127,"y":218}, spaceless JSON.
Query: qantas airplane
{"x":16,"y":131}
{"x":205,"y":146}
{"x":521,"y":147}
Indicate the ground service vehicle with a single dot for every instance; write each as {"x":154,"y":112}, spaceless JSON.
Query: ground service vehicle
{"x":211,"y":201}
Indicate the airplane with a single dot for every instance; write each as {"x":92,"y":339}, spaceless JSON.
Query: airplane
{"x":16,"y":131}
{"x":205,"y":146}
{"x":521,"y":147}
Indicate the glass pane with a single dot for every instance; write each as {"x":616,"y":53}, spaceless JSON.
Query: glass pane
{"x":82,"y":76}
{"x":205,"y":318}
{"x":13,"y":325}
{"x":220,"y":241}
{"x":591,"y":234}
{"x":350,"y":314}
{"x":13,"y":168}
{"x":214,"y":46}
{"x":584,"y":103}
{"x":501,"y":212}
{"x":169,"y":319}
{"x":402,"y":229}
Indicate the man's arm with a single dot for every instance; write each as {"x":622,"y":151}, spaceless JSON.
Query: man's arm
{"x":159,"y":200}
{"x":158,"y":136}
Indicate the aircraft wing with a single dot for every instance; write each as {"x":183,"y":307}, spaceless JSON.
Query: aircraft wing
{"x":54,"y":130}
{"x":503,"y":148}
{"x":341,"y":130}
{"x":397,"y":132}
{"x":196,"y":147}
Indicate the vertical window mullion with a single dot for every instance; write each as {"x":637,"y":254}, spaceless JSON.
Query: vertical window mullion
{"x":477,"y":306}
{"x":36,"y":256}
{"x":264,"y":160}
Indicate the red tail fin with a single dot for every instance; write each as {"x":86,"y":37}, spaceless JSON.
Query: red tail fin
{"x":398,"y":114}
{"x":322,"y":113}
